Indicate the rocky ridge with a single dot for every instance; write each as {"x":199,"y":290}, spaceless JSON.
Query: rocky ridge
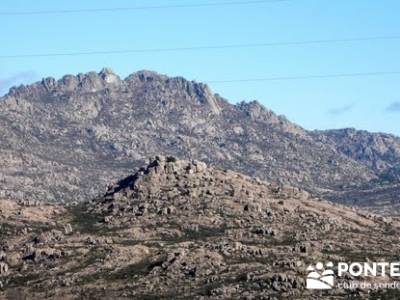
{"x":184,"y":230}
{"x":64,"y":140}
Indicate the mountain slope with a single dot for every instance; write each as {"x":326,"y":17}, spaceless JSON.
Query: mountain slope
{"x":378,"y":151}
{"x":184,"y":230}
{"x":66,"y":139}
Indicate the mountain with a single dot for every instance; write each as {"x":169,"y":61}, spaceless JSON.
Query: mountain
{"x":378,"y":151}
{"x":185,"y":230}
{"x":66,"y":139}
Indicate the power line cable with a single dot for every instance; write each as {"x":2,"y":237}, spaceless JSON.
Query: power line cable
{"x":210,"y":47}
{"x":305,"y":77}
{"x":137,"y":8}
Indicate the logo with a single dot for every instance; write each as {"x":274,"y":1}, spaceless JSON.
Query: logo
{"x":320,"y":277}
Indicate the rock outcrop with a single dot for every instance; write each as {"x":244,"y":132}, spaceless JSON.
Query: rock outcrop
{"x":185,"y":230}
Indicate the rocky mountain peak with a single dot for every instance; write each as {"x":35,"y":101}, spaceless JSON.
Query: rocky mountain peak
{"x":109,"y":76}
{"x":147,"y":83}
{"x":146,"y":76}
{"x":197,"y":92}
{"x":159,"y":170}
{"x":151,"y":182}
{"x":84,"y":130}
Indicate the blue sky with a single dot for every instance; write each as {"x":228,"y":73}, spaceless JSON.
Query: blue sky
{"x":371,"y":103}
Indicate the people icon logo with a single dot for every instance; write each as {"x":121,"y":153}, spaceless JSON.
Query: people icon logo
{"x":320,"y":277}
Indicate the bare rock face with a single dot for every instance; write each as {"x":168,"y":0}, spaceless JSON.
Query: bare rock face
{"x":3,"y":268}
{"x":179,"y":229}
{"x":64,"y":140}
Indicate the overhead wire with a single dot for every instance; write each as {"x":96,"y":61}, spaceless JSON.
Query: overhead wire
{"x":205,"y":47}
{"x":305,"y":77}
{"x":138,"y":8}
